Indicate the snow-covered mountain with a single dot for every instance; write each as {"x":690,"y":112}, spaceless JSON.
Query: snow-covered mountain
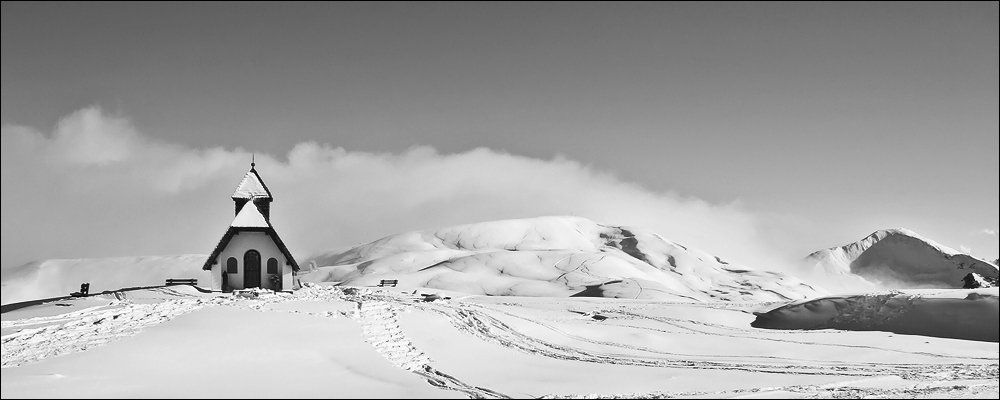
{"x":551,"y":256}
{"x":52,"y":278}
{"x":897,"y":259}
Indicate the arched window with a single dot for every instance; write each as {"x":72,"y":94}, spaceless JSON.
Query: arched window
{"x":231,"y":265}
{"x":272,"y":266}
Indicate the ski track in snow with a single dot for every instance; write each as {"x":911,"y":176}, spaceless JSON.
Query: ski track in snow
{"x":733,"y":332}
{"x":931,"y":391}
{"x":481,"y":321}
{"x":379,"y":322}
{"x":381,"y":328}
{"x":78,"y":331}
{"x":377,"y":313}
{"x":473,"y":318}
{"x":99,"y":325}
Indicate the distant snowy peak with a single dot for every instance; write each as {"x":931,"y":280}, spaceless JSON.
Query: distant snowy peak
{"x":552,"y":256}
{"x":899,"y":259}
{"x":855,"y":249}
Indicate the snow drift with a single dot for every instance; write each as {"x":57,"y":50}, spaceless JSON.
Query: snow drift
{"x":895,"y":259}
{"x":955,"y":313}
{"x":551,"y":256}
{"x":52,"y":278}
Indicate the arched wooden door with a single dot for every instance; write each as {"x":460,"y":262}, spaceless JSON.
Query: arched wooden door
{"x":251,"y":269}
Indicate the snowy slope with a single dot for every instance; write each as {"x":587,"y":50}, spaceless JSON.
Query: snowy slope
{"x":53,"y":278}
{"x":972,"y":314}
{"x":328,"y":341}
{"x":896,"y":259}
{"x":551,"y":256}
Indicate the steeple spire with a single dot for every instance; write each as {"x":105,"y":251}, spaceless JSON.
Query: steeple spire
{"x":252,"y":188}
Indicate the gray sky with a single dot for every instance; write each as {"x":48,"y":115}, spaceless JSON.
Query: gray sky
{"x":819,"y":122}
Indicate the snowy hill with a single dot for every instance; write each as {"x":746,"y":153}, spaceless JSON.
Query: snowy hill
{"x":896,"y":259}
{"x":950,"y":313}
{"x":551,"y":256}
{"x":52,"y":278}
{"x":325,"y":341}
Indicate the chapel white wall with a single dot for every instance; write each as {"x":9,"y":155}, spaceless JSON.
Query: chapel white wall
{"x":238,"y":246}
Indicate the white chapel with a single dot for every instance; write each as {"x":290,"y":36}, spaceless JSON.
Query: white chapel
{"x":250,"y":254}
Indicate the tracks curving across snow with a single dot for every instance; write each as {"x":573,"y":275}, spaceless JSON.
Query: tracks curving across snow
{"x":80,"y":330}
{"x":44,"y":337}
{"x":479,"y":320}
{"x":377,"y":312}
{"x":381,"y":328}
{"x":630,"y":333}
{"x":378,"y":315}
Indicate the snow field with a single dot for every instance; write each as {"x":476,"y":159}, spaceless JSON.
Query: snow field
{"x":384,"y":342}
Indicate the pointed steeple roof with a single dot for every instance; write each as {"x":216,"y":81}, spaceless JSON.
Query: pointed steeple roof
{"x":252,"y":187}
{"x":250,"y":217}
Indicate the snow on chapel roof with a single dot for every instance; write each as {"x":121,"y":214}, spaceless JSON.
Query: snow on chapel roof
{"x":249,"y":217}
{"x":251,"y":186}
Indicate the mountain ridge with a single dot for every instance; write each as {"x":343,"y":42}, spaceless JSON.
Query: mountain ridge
{"x":551,"y":256}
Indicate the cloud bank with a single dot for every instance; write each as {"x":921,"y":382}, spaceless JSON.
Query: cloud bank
{"x":97,"y":187}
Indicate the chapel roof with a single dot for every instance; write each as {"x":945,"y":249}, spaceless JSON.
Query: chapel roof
{"x":252,"y":187}
{"x":250,"y":217}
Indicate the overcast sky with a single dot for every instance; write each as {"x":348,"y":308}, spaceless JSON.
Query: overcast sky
{"x":755,"y":131}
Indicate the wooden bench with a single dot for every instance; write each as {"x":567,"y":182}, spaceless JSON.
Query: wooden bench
{"x":191,"y":282}
{"x":388,"y":282}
